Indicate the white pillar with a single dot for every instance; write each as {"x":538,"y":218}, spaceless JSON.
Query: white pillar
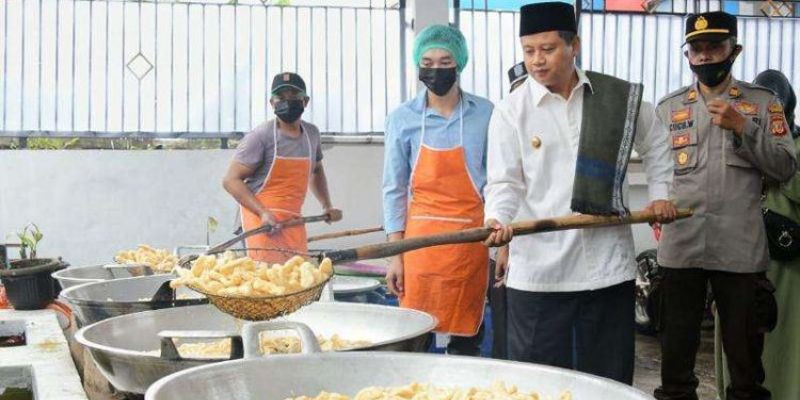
{"x":428,"y":12}
{"x":420,"y":14}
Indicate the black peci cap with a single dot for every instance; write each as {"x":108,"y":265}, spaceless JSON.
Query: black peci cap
{"x":546,"y":17}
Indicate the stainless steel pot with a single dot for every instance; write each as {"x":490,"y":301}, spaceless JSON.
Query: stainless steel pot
{"x":122,"y":346}
{"x":353,"y":285}
{"x":97,"y":301}
{"x":286,"y":376}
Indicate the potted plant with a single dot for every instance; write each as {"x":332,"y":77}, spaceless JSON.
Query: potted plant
{"x":27,"y":281}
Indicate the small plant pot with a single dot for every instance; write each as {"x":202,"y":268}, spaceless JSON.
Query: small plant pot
{"x":28,"y":283}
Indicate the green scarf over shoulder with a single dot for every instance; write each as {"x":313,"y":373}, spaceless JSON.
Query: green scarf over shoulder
{"x":608,"y":127}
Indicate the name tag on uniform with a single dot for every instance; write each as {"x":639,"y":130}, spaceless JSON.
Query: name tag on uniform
{"x":679,"y":126}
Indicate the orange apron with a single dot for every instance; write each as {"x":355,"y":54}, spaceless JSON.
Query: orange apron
{"x":446,"y":281}
{"x":283,"y":194}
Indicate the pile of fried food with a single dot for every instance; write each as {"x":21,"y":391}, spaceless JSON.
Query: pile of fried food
{"x":229,"y":275}
{"x":269,"y":345}
{"x":157,"y":259}
{"x":419,"y":391}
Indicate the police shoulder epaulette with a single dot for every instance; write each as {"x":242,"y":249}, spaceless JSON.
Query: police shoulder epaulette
{"x":749,"y":85}
{"x":674,"y":94}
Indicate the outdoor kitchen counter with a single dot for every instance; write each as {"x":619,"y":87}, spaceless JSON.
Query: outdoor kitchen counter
{"x":45,"y":355}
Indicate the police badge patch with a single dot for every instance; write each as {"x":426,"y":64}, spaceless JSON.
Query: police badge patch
{"x":778,"y":125}
{"x":775,"y":108}
{"x":746,"y":107}
{"x":681,"y":115}
{"x":683,"y":158}
{"x":679,"y":141}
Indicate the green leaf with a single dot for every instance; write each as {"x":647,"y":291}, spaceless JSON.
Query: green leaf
{"x":70,"y":144}
{"x":27,"y":241}
{"x":212,"y":224}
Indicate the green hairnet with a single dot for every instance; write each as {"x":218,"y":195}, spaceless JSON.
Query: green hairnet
{"x":442,"y":37}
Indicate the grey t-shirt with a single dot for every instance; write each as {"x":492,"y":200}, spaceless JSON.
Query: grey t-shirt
{"x":257,"y":149}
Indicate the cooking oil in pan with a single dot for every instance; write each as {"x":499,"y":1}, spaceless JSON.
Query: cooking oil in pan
{"x":16,"y":393}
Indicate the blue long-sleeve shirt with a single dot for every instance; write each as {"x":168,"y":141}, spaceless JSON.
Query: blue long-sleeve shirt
{"x":402,"y":144}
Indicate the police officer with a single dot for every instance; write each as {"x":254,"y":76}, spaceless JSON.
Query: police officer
{"x":726,"y":135}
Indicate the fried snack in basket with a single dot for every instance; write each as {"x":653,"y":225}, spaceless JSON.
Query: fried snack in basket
{"x":157,"y":259}
{"x":229,"y":275}
{"x":252,"y":290}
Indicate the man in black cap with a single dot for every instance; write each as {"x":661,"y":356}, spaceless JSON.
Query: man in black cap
{"x":560,"y":143}
{"x":726,"y":136}
{"x":273,"y":169}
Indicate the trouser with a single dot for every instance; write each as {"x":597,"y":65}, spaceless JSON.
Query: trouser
{"x":466,"y":345}
{"x":591,"y":331}
{"x":497,"y":302}
{"x":458,"y":345}
{"x":742,"y":302}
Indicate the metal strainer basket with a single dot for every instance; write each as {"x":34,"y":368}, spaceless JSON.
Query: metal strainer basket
{"x":262,"y":308}
{"x":265,"y":307}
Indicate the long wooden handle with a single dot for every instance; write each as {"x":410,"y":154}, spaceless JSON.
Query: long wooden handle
{"x":353,"y":232}
{"x":305,"y":220}
{"x":479,"y":234}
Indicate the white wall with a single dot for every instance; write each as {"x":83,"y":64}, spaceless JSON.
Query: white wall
{"x":90,"y":204}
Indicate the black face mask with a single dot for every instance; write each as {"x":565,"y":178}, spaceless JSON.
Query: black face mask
{"x":289,"y":111}
{"x":712,"y":75}
{"x":438,"y":80}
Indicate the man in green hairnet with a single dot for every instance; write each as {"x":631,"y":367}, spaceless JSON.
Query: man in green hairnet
{"x":433,"y":178}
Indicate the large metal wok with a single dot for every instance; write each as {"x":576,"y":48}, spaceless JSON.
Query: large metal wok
{"x":75,"y":276}
{"x":286,"y":376}
{"x":122,"y":346}
{"x":97,"y":301}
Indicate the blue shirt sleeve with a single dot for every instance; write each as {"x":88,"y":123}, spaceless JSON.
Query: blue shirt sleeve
{"x":396,"y":174}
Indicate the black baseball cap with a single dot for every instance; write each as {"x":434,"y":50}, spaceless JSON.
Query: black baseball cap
{"x":286,"y":80}
{"x":714,"y":26}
